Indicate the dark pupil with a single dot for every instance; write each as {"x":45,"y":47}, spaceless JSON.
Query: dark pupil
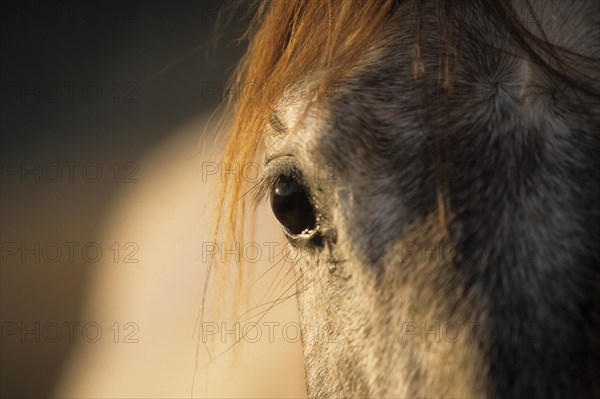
{"x":292,"y":207}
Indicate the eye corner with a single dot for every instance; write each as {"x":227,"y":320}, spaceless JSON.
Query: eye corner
{"x":314,"y":240}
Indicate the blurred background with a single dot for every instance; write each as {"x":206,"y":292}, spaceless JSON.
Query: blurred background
{"x":106,"y":134}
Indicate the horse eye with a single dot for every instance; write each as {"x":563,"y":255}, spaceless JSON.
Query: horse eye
{"x":292,"y":207}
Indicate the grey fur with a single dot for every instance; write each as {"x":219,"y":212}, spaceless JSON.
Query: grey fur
{"x":516,"y":156}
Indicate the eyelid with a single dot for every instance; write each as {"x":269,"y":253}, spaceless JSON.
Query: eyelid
{"x":275,"y":169}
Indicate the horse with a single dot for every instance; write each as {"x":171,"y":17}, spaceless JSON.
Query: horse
{"x":435,"y":163}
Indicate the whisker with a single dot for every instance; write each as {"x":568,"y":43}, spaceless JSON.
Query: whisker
{"x":260,"y":318}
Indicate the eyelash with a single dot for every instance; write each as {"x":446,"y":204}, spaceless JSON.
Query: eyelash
{"x":273,"y":175}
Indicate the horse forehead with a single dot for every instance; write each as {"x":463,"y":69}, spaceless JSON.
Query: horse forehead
{"x":378,"y":117}
{"x":293,"y":129}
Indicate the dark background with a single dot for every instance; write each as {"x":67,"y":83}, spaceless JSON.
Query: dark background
{"x":85,"y":87}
